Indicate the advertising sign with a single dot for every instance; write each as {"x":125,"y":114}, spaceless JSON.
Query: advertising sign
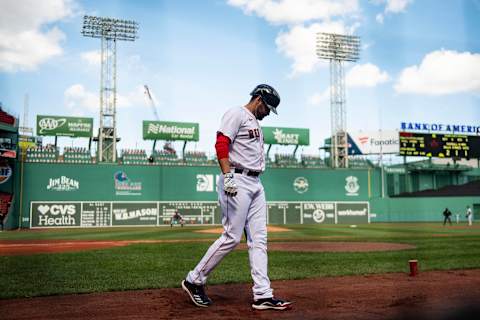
{"x":134,"y":213}
{"x":63,"y":183}
{"x":64,"y":214}
{"x":374,"y":142}
{"x":52,"y":214}
{"x":5,"y":173}
{"x":318,"y":212}
{"x":473,"y":128}
{"x":353,"y":212}
{"x":286,"y":136}
{"x":163,"y":130}
{"x":124,"y":186}
{"x":64,"y":126}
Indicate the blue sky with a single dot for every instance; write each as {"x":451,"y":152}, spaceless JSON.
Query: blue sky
{"x":420,"y":62}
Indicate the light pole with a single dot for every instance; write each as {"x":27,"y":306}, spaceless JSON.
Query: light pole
{"x":109,"y":30}
{"x":338,"y":48}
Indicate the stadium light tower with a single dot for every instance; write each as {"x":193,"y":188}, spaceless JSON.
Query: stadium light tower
{"x":338,"y":48}
{"x":109,"y":30}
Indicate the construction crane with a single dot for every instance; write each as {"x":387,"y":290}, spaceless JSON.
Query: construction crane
{"x":151,"y":103}
{"x":168,"y":144}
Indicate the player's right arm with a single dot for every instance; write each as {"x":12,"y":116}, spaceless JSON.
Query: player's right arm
{"x":226,"y":134}
{"x":221,"y":146}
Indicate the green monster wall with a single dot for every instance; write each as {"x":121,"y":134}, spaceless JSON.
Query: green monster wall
{"x":68,"y":195}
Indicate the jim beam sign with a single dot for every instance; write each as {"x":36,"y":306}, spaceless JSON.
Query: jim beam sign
{"x":63,"y":183}
{"x":163,"y":130}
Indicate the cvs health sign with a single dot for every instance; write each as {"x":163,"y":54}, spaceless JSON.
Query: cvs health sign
{"x":55,"y":214}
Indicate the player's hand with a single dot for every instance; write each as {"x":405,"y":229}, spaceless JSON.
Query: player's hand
{"x":229,"y":184}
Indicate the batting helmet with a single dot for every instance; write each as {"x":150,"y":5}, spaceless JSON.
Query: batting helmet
{"x":268,"y":95}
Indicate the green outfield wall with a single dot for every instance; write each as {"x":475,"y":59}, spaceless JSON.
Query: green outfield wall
{"x":421,"y":208}
{"x":73,"y":195}
{"x":96,"y":195}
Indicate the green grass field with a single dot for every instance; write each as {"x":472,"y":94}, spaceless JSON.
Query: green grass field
{"x":159,"y":265}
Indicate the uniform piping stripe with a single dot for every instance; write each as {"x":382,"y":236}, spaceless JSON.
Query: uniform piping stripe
{"x":211,"y":256}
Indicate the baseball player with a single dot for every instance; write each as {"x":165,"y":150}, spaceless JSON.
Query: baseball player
{"x":447,"y":213}
{"x":241,"y":195}
{"x":177,"y":218}
{"x":469,"y":215}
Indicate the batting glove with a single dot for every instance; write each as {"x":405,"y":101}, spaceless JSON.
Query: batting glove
{"x":229,"y":184}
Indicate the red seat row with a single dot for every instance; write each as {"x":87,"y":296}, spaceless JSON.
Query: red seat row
{"x":5,"y":200}
{"x":6,"y":118}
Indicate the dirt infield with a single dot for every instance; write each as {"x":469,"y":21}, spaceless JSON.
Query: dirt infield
{"x":430,"y":295}
{"x":57,"y":246}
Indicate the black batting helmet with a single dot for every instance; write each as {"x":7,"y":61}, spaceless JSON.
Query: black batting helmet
{"x":268,"y":95}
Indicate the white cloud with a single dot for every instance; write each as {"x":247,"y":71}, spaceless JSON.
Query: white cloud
{"x":319,"y":98}
{"x":91,"y":57}
{"x":133,"y":99}
{"x":392,"y":7}
{"x":396,"y":6}
{"x":365,"y":76}
{"x":379,"y":17}
{"x":442,"y":72}
{"x":77,"y":98}
{"x":27,"y":39}
{"x":296,"y":11}
{"x":299,"y":44}
{"x":359,"y":76}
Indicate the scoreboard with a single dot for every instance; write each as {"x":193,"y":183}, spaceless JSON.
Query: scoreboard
{"x":439,"y":145}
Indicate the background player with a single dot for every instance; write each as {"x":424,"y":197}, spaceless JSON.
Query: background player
{"x":469,"y":215}
{"x":241,"y":195}
{"x":446,"y":214}
{"x":177,"y":218}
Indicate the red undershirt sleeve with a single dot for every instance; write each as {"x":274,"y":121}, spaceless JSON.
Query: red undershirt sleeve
{"x":221,"y":146}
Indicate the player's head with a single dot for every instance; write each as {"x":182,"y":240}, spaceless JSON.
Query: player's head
{"x":268,"y":95}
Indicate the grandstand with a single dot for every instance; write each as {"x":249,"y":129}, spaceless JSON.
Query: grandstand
{"x":165,"y":157}
{"x":8,"y":155}
{"x":134,"y":156}
{"x":5,"y":202}
{"x":286,"y":161}
{"x":48,"y":153}
{"x":77,"y":155}
{"x":7,"y":118}
{"x":356,"y":162}
{"x":197,"y":158}
{"x":310,"y":161}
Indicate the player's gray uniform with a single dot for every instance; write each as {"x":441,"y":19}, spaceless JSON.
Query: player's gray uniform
{"x":469,"y":216}
{"x":245,"y":211}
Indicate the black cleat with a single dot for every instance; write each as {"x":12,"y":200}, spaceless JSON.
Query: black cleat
{"x":197,"y":294}
{"x":272,"y":304}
